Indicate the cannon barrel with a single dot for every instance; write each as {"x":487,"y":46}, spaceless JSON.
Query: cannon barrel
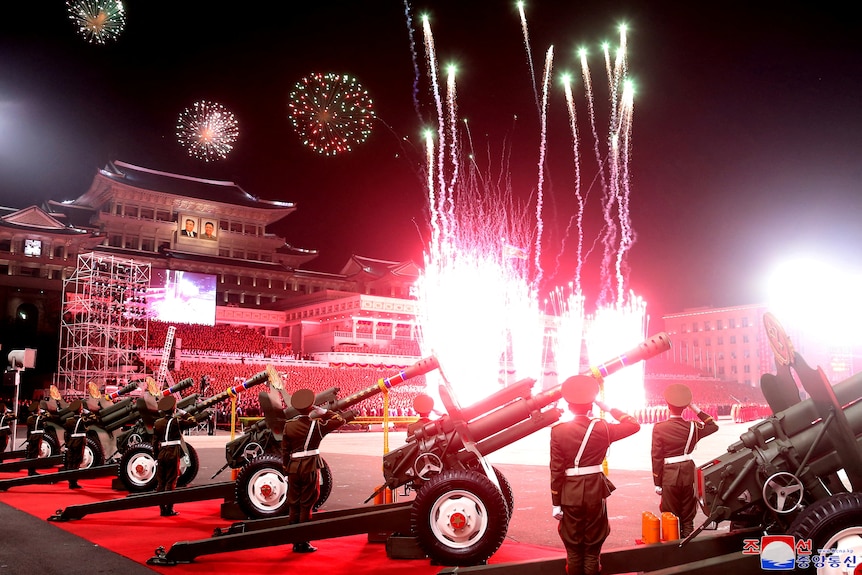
{"x":227,"y":393}
{"x":496,"y":421}
{"x":127,"y":410}
{"x":384,"y":384}
{"x":124,"y":391}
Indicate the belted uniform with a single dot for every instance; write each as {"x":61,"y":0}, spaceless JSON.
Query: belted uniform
{"x":76,"y":440}
{"x":673,"y":440}
{"x":301,"y":451}
{"x":579,"y":486}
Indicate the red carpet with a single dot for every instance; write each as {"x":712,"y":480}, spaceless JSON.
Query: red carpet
{"x":137,"y":533}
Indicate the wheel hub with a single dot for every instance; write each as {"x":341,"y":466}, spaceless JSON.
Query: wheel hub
{"x":458,"y":520}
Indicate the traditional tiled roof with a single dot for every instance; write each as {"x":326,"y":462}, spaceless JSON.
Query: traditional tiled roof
{"x":38,"y":220}
{"x":186,"y":186}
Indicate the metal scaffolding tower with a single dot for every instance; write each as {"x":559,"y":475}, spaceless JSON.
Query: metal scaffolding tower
{"x":104,"y":322}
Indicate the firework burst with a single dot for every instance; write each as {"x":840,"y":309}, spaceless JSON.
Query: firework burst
{"x":208,"y":130}
{"x":98,"y":20}
{"x":331,"y":113}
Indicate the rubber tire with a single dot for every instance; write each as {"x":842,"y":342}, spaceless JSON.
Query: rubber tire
{"x":50,"y":446}
{"x":93,"y":454}
{"x":188,"y":471}
{"x":825,"y":518}
{"x":451,"y":489}
{"x":271,"y":468}
{"x":146,"y":480}
{"x":508,"y":493}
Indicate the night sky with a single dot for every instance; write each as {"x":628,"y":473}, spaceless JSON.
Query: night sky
{"x":746,"y":150}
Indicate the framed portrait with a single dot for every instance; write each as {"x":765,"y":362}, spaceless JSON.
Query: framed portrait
{"x":209,"y":229}
{"x":189,"y":226}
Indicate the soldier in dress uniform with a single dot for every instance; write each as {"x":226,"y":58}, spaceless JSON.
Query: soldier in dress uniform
{"x":579,"y":487}
{"x":7,"y":420}
{"x":423,"y":404}
{"x":673,"y":471}
{"x":168,"y":444}
{"x":35,"y":432}
{"x":301,"y":452}
{"x":76,"y":439}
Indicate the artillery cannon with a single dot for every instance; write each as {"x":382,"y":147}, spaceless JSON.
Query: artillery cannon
{"x":783,"y":473}
{"x":463,"y":505}
{"x":461,"y":511}
{"x":261,"y":486}
{"x":138,"y":463}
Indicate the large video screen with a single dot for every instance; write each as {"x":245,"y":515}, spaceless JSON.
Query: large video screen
{"x":182,"y":297}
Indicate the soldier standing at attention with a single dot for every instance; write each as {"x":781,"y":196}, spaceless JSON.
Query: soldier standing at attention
{"x":301,"y":452}
{"x":76,"y":440}
{"x":673,"y":471}
{"x":168,"y":439}
{"x":579,"y":487}
{"x":35,"y":432}
{"x":7,"y":419}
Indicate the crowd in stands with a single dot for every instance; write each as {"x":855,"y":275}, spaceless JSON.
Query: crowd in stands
{"x":395,"y":348}
{"x":221,"y":376}
{"x":219,"y":339}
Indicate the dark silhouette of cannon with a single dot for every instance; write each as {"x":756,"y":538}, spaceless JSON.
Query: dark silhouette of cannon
{"x":784,"y":472}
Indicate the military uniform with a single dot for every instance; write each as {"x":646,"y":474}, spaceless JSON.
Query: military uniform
{"x":578,"y":485}
{"x":7,"y":420}
{"x":673,"y":471}
{"x":35,"y":433}
{"x":76,"y":440}
{"x":168,"y":444}
{"x":301,"y":452}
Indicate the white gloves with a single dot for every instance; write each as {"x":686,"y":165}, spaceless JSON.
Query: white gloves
{"x":657,"y":490}
{"x":319,"y":410}
{"x":603,"y":406}
{"x":694,"y":407}
{"x":557,"y":513}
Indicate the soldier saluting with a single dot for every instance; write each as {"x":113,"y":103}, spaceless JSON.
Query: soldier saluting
{"x":673,"y":471}
{"x":76,"y":439}
{"x":35,"y":432}
{"x":168,"y":444}
{"x":301,"y":452}
{"x":579,"y":487}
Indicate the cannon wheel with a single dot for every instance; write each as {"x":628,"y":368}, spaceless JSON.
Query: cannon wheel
{"x":506,"y":488}
{"x":138,"y":468}
{"x":832,"y":523}
{"x":261,"y":487}
{"x":459,"y":517}
{"x":189,"y":465}
{"x":93,"y":454}
{"x":49,"y":446}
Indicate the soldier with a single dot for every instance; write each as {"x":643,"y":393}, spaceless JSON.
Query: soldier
{"x":301,"y":452}
{"x":579,"y":487}
{"x":423,"y":405}
{"x":76,"y":439}
{"x":7,"y":419}
{"x":673,"y":471}
{"x":168,"y":444}
{"x":35,"y":432}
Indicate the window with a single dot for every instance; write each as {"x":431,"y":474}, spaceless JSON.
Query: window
{"x":706,"y":326}
{"x":745,"y":322}
{"x":732,"y":339}
{"x":236,"y":227}
{"x":147,"y":213}
{"x":148,"y":244}
{"x":115,"y":241}
{"x":745,"y":338}
{"x":719,"y":324}
{"x":131,"y":211}
{"x":163,"y":216}
{"x":731,"y":323}
{"x":720,"y":340}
